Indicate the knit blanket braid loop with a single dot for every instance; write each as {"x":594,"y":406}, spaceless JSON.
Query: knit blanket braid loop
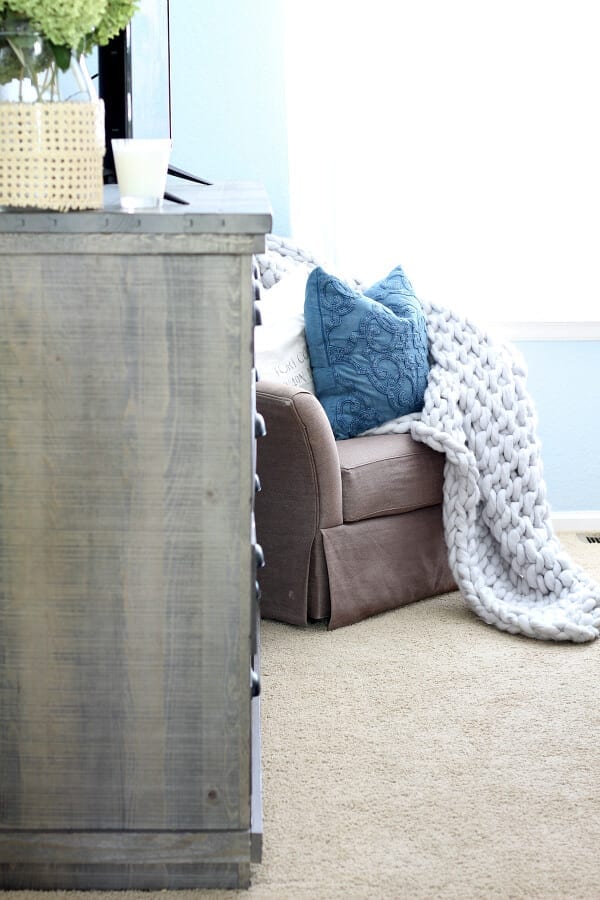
{"x":502,"y":550}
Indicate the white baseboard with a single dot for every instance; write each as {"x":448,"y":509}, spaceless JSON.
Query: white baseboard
{"x":577,"y":520}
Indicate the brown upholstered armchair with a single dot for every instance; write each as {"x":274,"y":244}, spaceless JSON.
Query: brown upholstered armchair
{"x":349,"y":528}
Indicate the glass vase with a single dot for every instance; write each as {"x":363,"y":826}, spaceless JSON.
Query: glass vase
{"x":51,"y":125}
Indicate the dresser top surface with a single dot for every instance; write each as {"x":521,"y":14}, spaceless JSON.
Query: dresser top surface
{"x":237,"y":208}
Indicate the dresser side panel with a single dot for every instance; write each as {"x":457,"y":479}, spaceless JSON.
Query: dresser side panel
{"x":124,"y":507}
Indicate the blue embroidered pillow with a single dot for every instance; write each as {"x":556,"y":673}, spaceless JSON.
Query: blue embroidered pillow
{"x":368,"y":352}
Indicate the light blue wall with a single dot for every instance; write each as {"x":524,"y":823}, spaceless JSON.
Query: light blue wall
{"x":227,"y":94}
{"x":563,"y":381}
{"x":149,"y":87}
{"x":229,"y":122}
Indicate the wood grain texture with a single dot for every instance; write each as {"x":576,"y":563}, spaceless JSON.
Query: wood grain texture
{"x":122,"y":847}
{"x":126,"y":484}
{"x":130,"y":242}
{"x":111,"y":877}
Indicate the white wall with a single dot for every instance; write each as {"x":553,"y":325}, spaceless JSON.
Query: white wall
{"x":229,"y":122}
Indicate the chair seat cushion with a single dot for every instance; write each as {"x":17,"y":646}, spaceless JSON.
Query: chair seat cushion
{"x":387,"y":474}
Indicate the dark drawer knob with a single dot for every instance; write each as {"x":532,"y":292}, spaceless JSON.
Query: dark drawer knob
{"x":260,"y":429}
{"x":257,"y":484}
{"x":258,"y":592}
{"x":254,"y":683}
{"x":257,"y":315}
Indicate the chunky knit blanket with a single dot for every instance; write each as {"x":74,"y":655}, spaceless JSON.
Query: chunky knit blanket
{"x":504,"y":555}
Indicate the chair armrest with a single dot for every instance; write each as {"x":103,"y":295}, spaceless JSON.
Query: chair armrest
{"x":301,"y":439}
{"x":299,"y":469}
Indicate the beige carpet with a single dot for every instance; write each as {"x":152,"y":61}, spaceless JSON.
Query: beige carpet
{"x":424,"y":754}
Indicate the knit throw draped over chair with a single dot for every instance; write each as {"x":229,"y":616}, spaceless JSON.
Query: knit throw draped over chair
{"x":503,"y":552}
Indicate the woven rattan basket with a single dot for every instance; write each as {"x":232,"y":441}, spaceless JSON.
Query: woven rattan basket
{"x":51,"y":155}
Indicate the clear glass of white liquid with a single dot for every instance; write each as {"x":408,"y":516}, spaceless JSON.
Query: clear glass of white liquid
{"x":141,"y":165}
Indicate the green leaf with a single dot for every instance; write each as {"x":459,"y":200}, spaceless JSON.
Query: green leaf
{"x":62,"y":55}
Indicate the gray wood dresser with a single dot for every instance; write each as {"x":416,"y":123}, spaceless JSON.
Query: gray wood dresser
{"x":129,"y":750}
